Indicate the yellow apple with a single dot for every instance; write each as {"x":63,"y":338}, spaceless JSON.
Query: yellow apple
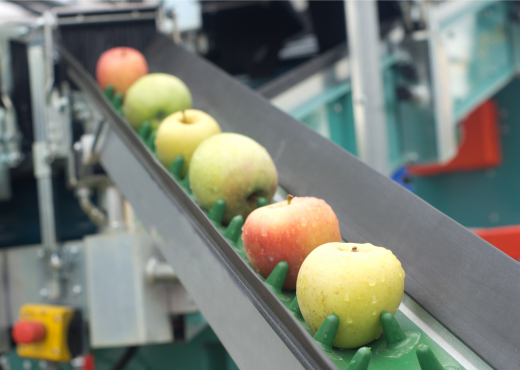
{"x":181,"y":133}
{"x":354,"y":281}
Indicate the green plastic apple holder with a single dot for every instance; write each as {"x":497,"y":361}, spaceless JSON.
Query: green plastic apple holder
{"x":403,"y":345}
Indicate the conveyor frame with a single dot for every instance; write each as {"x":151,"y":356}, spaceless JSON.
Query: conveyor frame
{"x":480,"y":308}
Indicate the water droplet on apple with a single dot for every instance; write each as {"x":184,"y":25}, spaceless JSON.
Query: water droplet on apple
{"x":374,"y":313}
{"x":262,"y":252}
{"x":264,"y":232}
{"x":346,"y":297}
{"x":374,"y":299}
{"x":382,"y":279}
{"x":371,"y":282}
{"x":349,"y":320}
{"x":397,"y":337}
{"x":400,"y":273}
{"x":271,"y":259}
{"x":303,"y":221}
{"x":342,"y":262}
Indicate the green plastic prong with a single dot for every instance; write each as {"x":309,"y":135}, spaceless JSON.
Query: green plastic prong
{"x":185,"y":183}
{"x":150,"y":142}
{"x":234,"y":230}
{"x":327,"y":332}
{"x":261,"y":202}
{"x":216,"y":213}
{"x":117,"y":100}
{"x":361,"y":359}
{"x":176,"y":167}
{"x":109,"y":92}
{"x":427,"y":360}
{"x":394,"y":335}
{"x":144,"y":130}
{"x":294,"y":307}
{"x":277,"y":277}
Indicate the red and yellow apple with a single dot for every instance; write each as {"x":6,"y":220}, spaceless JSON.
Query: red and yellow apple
{"x":120,"y":67}
{"x":181,"y":133}
{"x":354,"y":281}
{"x":288,"y":231}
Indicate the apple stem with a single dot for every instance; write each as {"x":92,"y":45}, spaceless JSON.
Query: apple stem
{"x":184,"y":116}
{"x":354,"y":249}
{"x":289,"y":198}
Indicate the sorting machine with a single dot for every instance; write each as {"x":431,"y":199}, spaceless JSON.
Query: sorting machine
{"x":147,"y":253}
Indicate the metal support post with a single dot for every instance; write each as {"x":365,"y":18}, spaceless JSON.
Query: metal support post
{"x":367,"y":83}
{"x":41,"y":153}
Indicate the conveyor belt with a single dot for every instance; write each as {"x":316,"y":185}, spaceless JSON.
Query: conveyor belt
{"x":464,"y":282}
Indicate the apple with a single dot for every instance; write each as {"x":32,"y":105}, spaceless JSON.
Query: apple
{"x":235,"y":168}
{"x":154,"y":97}
{"x":288,"y":231}
{"x":354,"y":281}
{"x":120,"y":67}
{"x":181,"y":133}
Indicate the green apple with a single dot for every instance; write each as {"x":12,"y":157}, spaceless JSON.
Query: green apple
{"x":235,"y":168}
{"x":181,"y":133}
{"x":154,"y":97}
{"x":354,"y":281}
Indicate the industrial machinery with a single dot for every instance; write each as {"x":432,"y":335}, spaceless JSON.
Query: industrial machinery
{"x":148,"y":266}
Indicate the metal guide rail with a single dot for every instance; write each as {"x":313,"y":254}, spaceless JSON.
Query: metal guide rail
{"x":453,"y":274}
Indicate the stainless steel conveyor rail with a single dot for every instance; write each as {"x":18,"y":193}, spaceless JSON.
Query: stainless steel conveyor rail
{"x":464,"y":282}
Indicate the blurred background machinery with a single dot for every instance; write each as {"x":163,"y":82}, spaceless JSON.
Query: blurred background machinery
{"x":425,"y":93}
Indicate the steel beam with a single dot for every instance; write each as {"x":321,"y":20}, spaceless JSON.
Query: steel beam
{"x":367,"y":83}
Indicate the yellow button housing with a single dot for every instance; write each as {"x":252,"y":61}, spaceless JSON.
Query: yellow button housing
{"x":56,"y":320}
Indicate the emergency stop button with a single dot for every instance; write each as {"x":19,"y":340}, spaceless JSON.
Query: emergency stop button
{"x":25,"y":332}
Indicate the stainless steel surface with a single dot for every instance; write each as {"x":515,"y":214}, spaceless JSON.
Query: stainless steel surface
{"x":367,"y":84}
{"x":94,"y":14}
{"x":434,"y":329}
{"x":10,"y":148}
{"x":201,"y":271}
{"x":114,"y":205}
{"x":443,"y":105}
{"x":41,"y":153}
{"x":159,"y":271}
{"x":180,"y":300}
{"x":4,"y":306}
{"x":124,"y":308}
{"x":32,"y":279}
{"x":301,"y":93}
{"x":94,"y":213}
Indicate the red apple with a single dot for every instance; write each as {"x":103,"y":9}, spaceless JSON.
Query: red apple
{"x":120,"y":67}
{"x":288,"y":231}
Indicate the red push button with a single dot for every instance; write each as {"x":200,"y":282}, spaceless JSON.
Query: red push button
{"x":25,"y":332}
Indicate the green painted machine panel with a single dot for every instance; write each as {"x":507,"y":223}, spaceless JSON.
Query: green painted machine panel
{"x":483,"y":198}
{"x":479,"y":48}
{"x":331,"y":114}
